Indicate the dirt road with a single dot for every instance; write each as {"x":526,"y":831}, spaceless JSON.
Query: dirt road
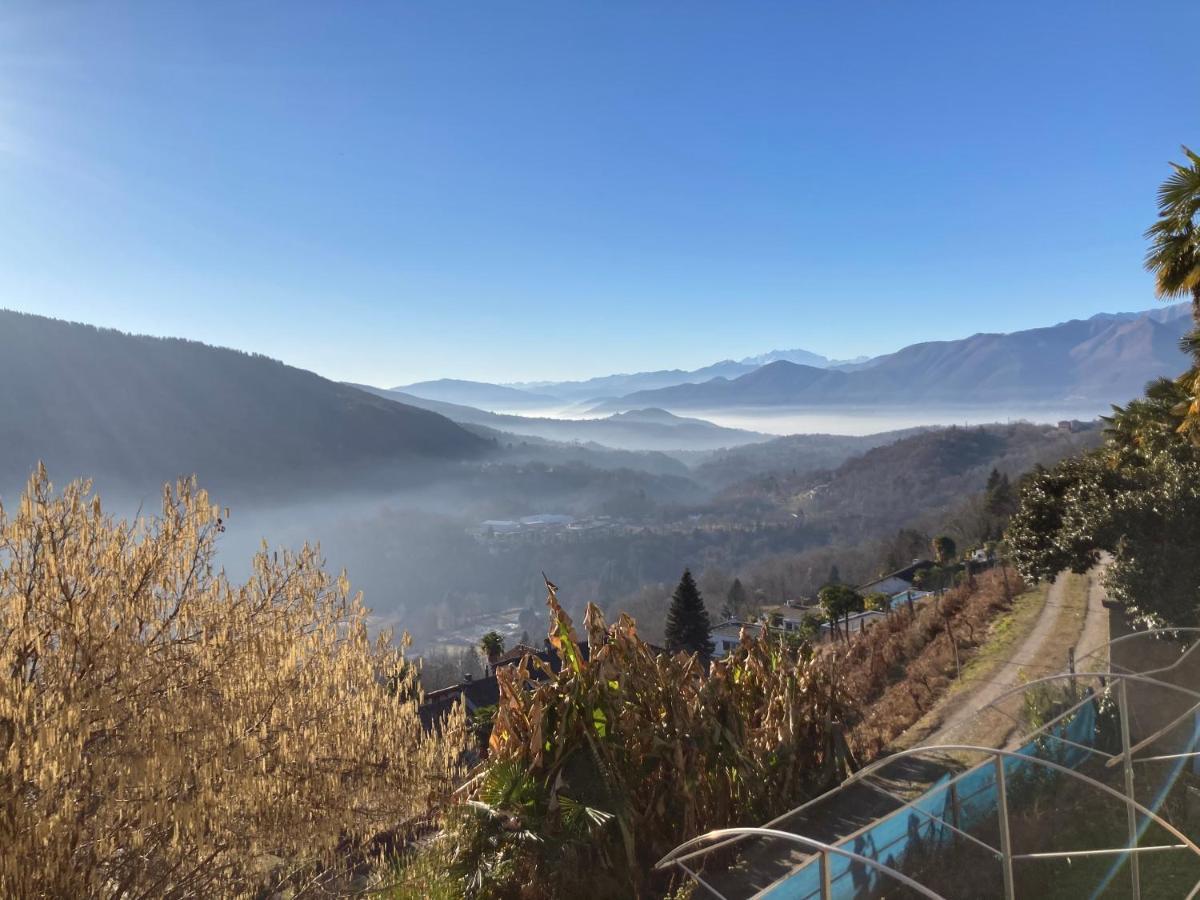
{"x":1072,"y":617}
{"x":1035,"y":641}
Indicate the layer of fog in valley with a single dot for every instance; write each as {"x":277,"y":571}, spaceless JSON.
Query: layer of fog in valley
{"x":847,"y":420}
{"x":446,"y":514}
{"x":464,"y":553}
{"x":868,"y":420}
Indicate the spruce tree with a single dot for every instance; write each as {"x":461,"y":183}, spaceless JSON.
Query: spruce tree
{"x":1000,"y":499}
{"x":687,"y":621}
{"x":736,"y":600}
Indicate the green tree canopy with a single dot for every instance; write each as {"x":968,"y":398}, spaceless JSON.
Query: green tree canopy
{"x":1174,"y":258}
{"x":737,"y":598}
{"x":944,"y":549}
{"x":1147,"y":516}
{"x":1138,"y":497}
{"x":839,"y":601}
{"x":1000,"y":500}
{"x":492,"y":645}
{"x":688,"y":627}
{"x":1174,"y":254}
{"x":877,"y":602}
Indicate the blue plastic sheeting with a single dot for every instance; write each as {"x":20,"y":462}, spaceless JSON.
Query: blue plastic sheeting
{"x":890,"y":838}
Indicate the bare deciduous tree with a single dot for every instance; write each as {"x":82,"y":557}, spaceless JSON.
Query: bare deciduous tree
{"x":166,"y":733}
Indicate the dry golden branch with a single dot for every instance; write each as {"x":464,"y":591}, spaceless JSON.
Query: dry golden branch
{"x":165,"y":733}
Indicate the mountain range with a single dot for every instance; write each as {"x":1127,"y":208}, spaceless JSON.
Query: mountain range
{"x":138,"y":410}
{"x":804,"y":357}
{"x":1087,"y":363}
{"x":478,"y":394}
{"x":1105,"y":359}
{"x":559,"y":395}
{"x":556,"y":395}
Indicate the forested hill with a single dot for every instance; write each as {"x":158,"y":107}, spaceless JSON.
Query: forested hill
{"x":920,"y":477}
{"x":794,"y":454}
{"x":138,"y":410}
{"x":644,"y":429}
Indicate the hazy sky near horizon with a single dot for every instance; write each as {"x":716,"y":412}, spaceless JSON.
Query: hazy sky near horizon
{"x":501,"y":191}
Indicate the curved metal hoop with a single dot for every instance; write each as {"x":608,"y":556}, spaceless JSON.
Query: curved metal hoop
{"x":812,"y":844}
{"x":1108,"y":645}
{"x":727,"y":836}
{"x":1115,"y":676}
{"x":1075,"y":676}
{"x":1066,"y":770}
{"x":731,"y":835}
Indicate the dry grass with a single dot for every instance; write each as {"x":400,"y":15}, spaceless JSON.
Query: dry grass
{"x":897,"y":672}
{"x":1058,"y":613}
{"x":1007,"y":632}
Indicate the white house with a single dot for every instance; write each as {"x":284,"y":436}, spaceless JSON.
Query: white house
{"x":855,"y":623}
{"x":787,"y":617}
{"x":728,"y":635}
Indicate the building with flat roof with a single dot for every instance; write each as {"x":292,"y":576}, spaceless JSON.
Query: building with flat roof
{"x":895,"y":582}
{"x":851,"y":625}
{"x":788,"y":617}
{"x":728,"y":635}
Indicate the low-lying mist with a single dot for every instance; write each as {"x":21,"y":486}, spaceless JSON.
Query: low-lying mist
{"x":872,"y":420}
{"x":441,"y":550}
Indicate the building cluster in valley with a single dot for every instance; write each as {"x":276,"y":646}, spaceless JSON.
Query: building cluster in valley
{"x":795,"y":618}
{"x":548,"y":527}
{"x":801,"y":618}
{"x":544,"y":528}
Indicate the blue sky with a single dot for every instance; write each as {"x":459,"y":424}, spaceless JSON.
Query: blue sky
{"x":395,"y":191}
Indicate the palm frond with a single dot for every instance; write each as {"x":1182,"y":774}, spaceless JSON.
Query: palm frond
{"x":581,"y":818}
{"x":1174,"y":252}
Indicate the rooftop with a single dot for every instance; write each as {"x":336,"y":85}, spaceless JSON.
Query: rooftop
{"x":906,"y":574}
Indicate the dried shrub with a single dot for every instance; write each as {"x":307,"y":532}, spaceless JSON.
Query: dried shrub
{"x":597,"y":771}
{"x":898,"y":669}
{"x":165,"y":733}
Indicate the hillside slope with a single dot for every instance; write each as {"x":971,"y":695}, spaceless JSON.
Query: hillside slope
{"x":916,"y":478}
{"x":795,"y":454}
{"x":138,"y":410}
{"x":479,"y":394}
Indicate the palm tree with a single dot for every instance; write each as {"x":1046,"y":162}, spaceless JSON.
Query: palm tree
{"x":1145,"y":427}
{"x":1174,"y":254}
{"x":492,"y":644}
{"x":1174,"y":258}
{"x":838,"y":601}
{"x":944,"y":549}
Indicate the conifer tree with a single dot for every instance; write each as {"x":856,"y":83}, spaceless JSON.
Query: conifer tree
{"x":687,"y":621}
{"x":1000,"y":499}
{"x":736,"y":600}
